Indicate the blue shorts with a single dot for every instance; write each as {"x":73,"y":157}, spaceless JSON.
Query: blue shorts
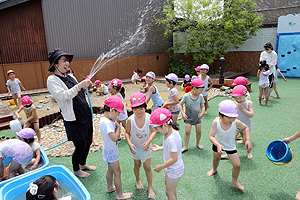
{"x":175,"y":113}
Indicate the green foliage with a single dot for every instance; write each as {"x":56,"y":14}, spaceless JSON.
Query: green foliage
{"x":207,"y":33}
{"x":178,"y":67}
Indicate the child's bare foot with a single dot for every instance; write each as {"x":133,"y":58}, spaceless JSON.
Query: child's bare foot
{"x":205,"y":113}
{"x":267,"y":104}
{"x":211,"y":172}
{"x":199,"y":146}
{"x":238,"y":185}
{"x":277,"y":97}
{"x":298,"y":195}
{"x":87,"y":167}
{"x":81,"y":174}
{"x":239,"y":141}
{"x":184,"y":149}
{"x":111,"y":189}
{"x":139,"y":185}
{"x":208,"y":105}
{"x":96,"y":143}
{"x":259,"y":103}
{"x":124,"y":196}
{"x":225,"y":156}
{"x":151,"y":194}
{"x":249,"y":155}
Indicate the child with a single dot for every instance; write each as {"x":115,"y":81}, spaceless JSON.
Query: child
{"x":222,"y":135}
{"x":139,"y":135}
{"x":161,"y":120}
{"x":186,"y":82}
{"x":194,"y":104}
{"x":289,"y":140}
{"x":240,"y":80}
{"x":270,"y":56}
{"x":172,"y":96}
{"x":101,"y":89}
{"x":144,"y":86}
{"x":136,"y":76}
{"x":26,"y":135}
{"x":118,"y":90}
{"x":20,"y":152}
{"x":263,"y":83}
{"x":202,"y":74}
{"x":46,"y":188}
{"x":245,"y":112}
{"x":31,"y":115}
{"x":277,"y":71}
{"x":153,"y":92}
{"x":110,"y":131}
{"x":14,"y":86}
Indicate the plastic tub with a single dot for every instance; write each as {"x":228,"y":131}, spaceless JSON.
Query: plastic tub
{"x":279,"y":152}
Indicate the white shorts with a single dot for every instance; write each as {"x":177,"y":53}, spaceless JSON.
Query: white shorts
{"x":175,"y":173}
{"x":146,"y":155}
{"x":109,"y":156}
{"x":264,"y":85}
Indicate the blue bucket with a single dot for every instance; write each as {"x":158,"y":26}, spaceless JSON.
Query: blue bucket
{"x":278,"y":151}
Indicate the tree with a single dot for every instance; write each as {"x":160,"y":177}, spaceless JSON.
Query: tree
{"x":206,"y":29}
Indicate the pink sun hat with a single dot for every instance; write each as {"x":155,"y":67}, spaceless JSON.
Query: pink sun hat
{"x":26,"y":133}
{"x":159,"y":117}
{"x":116,"y":82}
{"x":10,"y":71}
{"x":97,"y":82}
{"x":198,"y":68}
{"x":187,"y":77}
{"x":137,"y":99}
{"x":239,"y":90}
{"x":204,"y":66}
{"x":240,"y":81}
{"x":115,"y":102}
{"x":228,"y":108}
{"x":26,"y":100}
{"x":197,"y":82}
{"x":172,"y":77}
{"x":151,"y":74}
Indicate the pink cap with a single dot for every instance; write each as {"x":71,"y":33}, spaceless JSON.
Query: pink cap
{"x":204,"y":66}
{"x":97,"y":82}
{"x":198,"y":68}
{"x":197,"y":82}
{"x":172,"y":77}
{"x":228,"y":108}
{"x":137,"y":99}
{"x":240,"y":81}
{"x":151,"y":74}
{"x":115,"y":102}
{"x":187,"y":77}
{"x":144,"y":78}
{"x":239,"y":90}
{"x":159,"y":117}
{"x":26,"y":100}
{"x":10,"y":71}
{"x":116,"y":82}
{"x":26,"y":133}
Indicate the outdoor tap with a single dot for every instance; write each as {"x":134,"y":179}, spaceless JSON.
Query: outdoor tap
{"x":221,"y":70}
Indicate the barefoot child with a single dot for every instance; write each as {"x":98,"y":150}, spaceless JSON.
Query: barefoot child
{"x":110,"y":131}
{"x":14,"y":86}
{"x":222,"y":135}
{"x":161,"y":120}
{"x":139,"y":135}
{"x":136,"y":77}
{"x":194,"y":111}
{"x":27,"y":135}
{"x":263,"y":74}
{"x":32,"y":118}
{"x":153,"y":92}
{"x":101,"y":89}
{"x":172,"y":96}
{"x":277,"y":71}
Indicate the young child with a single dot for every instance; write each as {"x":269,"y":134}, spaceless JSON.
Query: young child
{"x":136,"y":76}
{"x":222,"y":135}
{"x":194,"y":111}
{"x":240,"y":80}
{"x":270,"y":56}
{"x":118,"y":90}
{"x":263,"y":83}
{"x":110,"y":131}
{"x":153,"y":92}
{"x":139,"y":135}
{"x":19,"y":151}
{"x":31,"y":115}
{"x":161,"y":120}
{"x":172,"y":96}
{"x":202,"y":74}
{"x":144,"y":85}
{"x":186,"y":82}
{"x":101,"y":89}
{"x":27,"y":135}
{"x":14,"y":86}
{"x":277,"y":71}
{"x":289,"y":140}
{"x":46,"y":188}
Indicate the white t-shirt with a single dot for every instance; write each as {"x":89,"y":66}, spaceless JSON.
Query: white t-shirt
{"x":14,"y":85}
{"x":271,"y":59}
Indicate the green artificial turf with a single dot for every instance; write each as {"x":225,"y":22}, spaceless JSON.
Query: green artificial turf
{"x":261,"y":179}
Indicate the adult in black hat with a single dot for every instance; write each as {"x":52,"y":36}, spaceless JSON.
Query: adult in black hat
{"x":70,"y":97}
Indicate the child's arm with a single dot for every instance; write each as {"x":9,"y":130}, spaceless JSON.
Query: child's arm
{"x":200,"y":115}
{"x":128,"y":135}
{"x":184,"y":116}
{"x":210,"y":84}
{"x":292,"y":138}
{"x":18,"y":111}
{"x":156,"y":148}
{"x":212,"y":138}
{"x":37,"y":159}
{"x":146,"y":144}
{"x":21,"y":85}
{"x":246,"y":130}
{"x":171,"y":161}
{"x":8,"y":89}
{"x":176,"y":101}
{"x":250,"y":112}
{"x":258,"y":73}
{"x":282,"y":76}
{"x":182,"y":86}
{"x":150,"y":92}
{"x":115,"y":135}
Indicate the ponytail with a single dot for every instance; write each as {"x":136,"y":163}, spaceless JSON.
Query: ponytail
{"x":121,"y":90}
{"x":174,"y":125}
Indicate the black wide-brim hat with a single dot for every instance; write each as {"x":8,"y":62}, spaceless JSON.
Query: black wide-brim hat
{"x":54,"y":55}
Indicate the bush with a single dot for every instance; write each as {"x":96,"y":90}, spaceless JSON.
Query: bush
{"x":179,"y":67}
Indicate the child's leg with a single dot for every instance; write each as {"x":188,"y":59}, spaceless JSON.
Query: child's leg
{"x":216,"y":160}
{"x":236,"y":167}
{"x":136,"y":169}
{"x":115,"y":167}
{"x":36,"y":127}
{"x":13,"y":168}
{"x":174,"y":117}
{"x":298,"y":195}
{"x":276,"y":91}
{"x":187,"y":135}
{"x":14,"y":96}
{"x":266,"y":95}
{"x":124,"y":123}
{"x":260,"y":95}
{"x":109,"y":180}
{"x":171,"y":185}
{"x":205,"y":104}
{"x":19,"y":99}
{"x":198,"y":135}
{"x":148,"y":170}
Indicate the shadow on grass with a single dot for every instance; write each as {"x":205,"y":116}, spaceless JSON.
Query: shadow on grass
{"x":281,"y":195}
